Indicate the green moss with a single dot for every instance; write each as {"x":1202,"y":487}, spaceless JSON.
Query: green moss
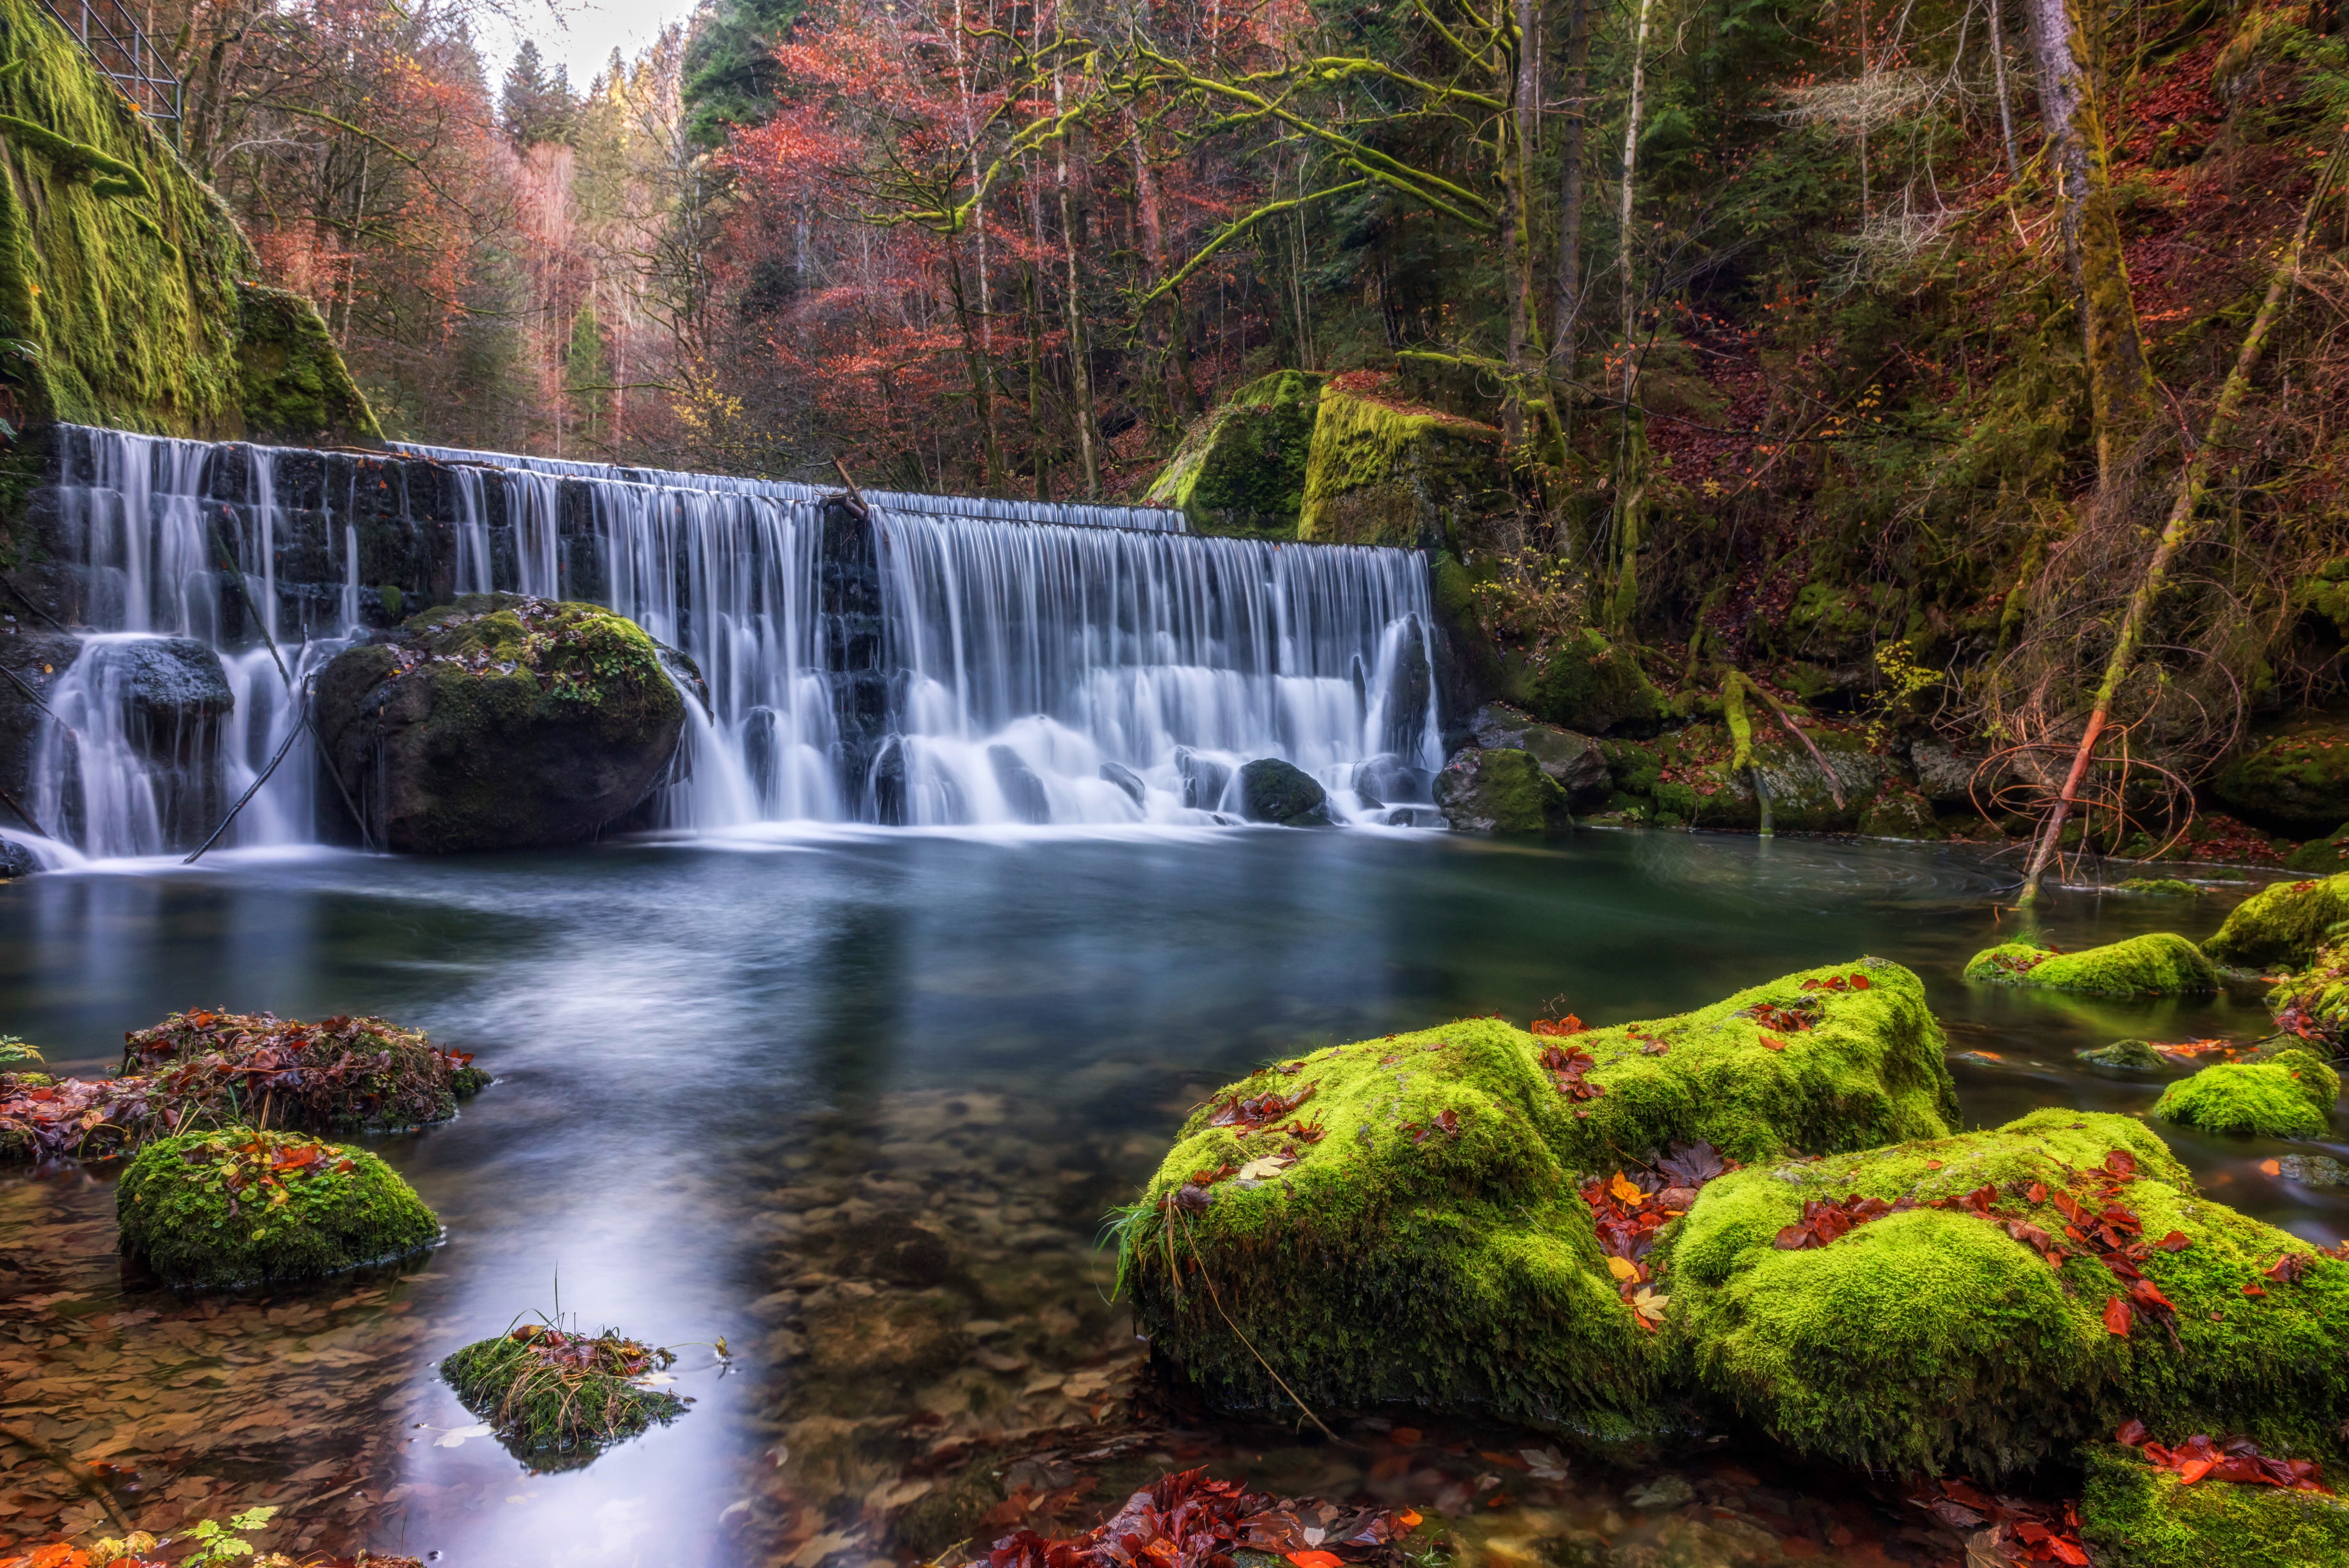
{"x":294,"y":386}
{"x":550,"y":1391}
{"x":1503,"y":791}
{"x":2291,"y":1095}
{"x":2315,"y":1002}
{"x":2282,"y":923}
{"x":1932,"y":1339}
{"x":2296,"y":779}
{"x":1241,"y":468}
{"x":1396,"y":1261}
{"x":215,"y":1209}
{"x":2158,"y":887}
{"x":2323,"y":856}
{"x":1586,"y":683}
{"x":2160,"y":964}
{"x":2139,"y":1517}
{"x":2126,"y":1056}
{"x":1377,"y":474}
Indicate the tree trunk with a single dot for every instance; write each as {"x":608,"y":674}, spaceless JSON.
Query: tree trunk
{"x":974,"y":361}
{"x":1183,"y":394}
{"x":1630,"y":169}
{"x":1566,"y":311}
{"x":2120,"y":386}
{"x":1998,"y":67}
{"x":1081,"y":375}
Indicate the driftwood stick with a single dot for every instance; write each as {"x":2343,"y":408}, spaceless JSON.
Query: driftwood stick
{"x":855,"y":496}
{"x":30,"y":820}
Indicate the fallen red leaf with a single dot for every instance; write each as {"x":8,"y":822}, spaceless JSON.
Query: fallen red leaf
{"x":2116,"y":1316}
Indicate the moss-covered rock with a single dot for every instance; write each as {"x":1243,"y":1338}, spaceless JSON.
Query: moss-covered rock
{"x":501,"y":722}
{"x":2282,"y":923}
{"x":2123,"y":1055}
{"x":2295,"y":779}
{"x":1577,"y":761}
{"x":1934,"y":1337}
{"x":555,"y":1394}
{"x":1898,"y":813}
{"x":1404,"y":1226}
{"x":1505,"y":791}
{"x":1383,"y":472}
{"x":2159,"y":964}
{"x":296,"y":387}
{"x":1272,"y":790}
{"x":2157,"y":887}
{"x":1586,"y":683}
{"x":2323,"y":856}
{"x":2135,"y":1516}
{"x":2314,"y":1003}
{"x":342,"y":1074}
{"x":241,"y":1206}
{"x":1241,"y":468}
{"x":2290,"y":1095}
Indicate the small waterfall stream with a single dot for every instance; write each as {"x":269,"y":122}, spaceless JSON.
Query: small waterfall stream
{"x":937,"y":661}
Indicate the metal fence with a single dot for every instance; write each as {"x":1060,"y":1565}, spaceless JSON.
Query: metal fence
{"x":115,"y":40}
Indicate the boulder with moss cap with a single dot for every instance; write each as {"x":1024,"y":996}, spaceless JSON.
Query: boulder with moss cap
{"x":2284,"y":923}
{"x":1935,"y":1336}
{"x":501,"y":722}
{"x":2290,"y":1095}
{"x":1396,"y":1220}
{"x":242,"y":1207}
{"x":2135,"y":1516}
{"x":1500,"y":792}
{"x":2160,"y":964}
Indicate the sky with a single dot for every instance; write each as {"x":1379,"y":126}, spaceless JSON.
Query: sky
{"x":587,"y":33}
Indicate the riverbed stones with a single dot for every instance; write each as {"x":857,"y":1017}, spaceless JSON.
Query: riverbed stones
{"x":241,"y":1206}
{"x":1937,"y":1336}
{"x":1505,"y":791}
{"x":1397,"y":1220}
{"x":499,"y":722}
{"x":2284,"y":923}
{"x":2288,"y":1095}
{"x":1272,"y":790}
{"x":2158,"y":964}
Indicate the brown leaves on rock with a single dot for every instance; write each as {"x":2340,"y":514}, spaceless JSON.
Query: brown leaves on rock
{"x":1565,"y":1065}
{"x":1549,"y":1029}
{"x":2290,"y":1269}
{"x":2021,"y":1531}
{"x":1185,"y":1520}
{"x":1447,"y":1125}
{"x":1839,"y":982}
{"x":2236,"y":1460}
{"x":1253,"y":1113}
{"x":1826,"y":1219}
{"x":1627,"y":1210}
{"x":1771,"y":1016}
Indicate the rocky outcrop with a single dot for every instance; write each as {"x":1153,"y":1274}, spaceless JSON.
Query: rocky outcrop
{"x":499,"y":722}
{"x":2284,"y":923}
{"x":1575,"y":762}
{"x":2158,"y":964}
{"x":35,"y":660}
{"x":1272,"y":790}
{"x":1503,"y":791}
{"x":1586,"y":683}
{"x":1241,"y":468}
{"x":2295,"y":779}
{"x":1383,"y":472}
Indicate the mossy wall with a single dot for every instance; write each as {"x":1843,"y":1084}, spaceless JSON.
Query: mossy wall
{"x":1380,"y":474}
{"x":122,"y":270}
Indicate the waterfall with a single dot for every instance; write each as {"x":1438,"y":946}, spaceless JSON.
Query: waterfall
{"x":933,"y":661}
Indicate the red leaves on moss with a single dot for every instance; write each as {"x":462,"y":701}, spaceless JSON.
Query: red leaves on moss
{"x":1565,"y":1065}
{"x":1838,"y":983}
{"x":1185,"y":1520}
{"x":2290,"y":1269}
{"x":1250,"y":1113}
{"x":2236,"y":1460}
{"x":1558,"y":1027}
{"x":1785,"y":1020}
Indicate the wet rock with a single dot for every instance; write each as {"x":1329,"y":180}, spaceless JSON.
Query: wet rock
{"x":1272,"y":790}
{"x":499,"y":722}
{"x":1125,"y":779}
{"x":2293,"y":780}
{"x":1900,"y":814}
{"x":1205,"y":780}
{"x":1576,"y":761}
{"x":172,"y":682}
{"x":2282,"y":923}
{"x":1023,"y":791}
{"x":2315,"y":1169}
{"x":2288,"y":1095}
{"x":1948,"y":776}
{"x":1588,"y":683}
{"x":1388,"y":780}
{"x":2128,"y":1056}
{"x":1505,"y":791}
{"x":2323,"y":856}
{"x":2133,"y":1514}
{"x":38,"y":659}
{"x":1663,"y":1492}
{"x":900,"y":1253}
{"x":1241,"y":468}
{"x":17,"y":861}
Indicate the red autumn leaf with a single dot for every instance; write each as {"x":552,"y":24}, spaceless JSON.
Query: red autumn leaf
{"x":2122,"y":1163}
{"x":2175,"y":1241}
{"x":1569,"y":1024}
{"x":2193,"y":1470}
{"x":2289,"y":1269}
{"x":1861,"y":983}
{"x":2254,"y":1290}
{"x":2131,"y":1434}
{"x":1316,"y":1560}
{"x":2116,"y":1316}
{"x":2037,"y":1193}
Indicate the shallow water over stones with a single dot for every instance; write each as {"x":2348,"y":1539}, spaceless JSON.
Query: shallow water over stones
{"x":857,"y":1103}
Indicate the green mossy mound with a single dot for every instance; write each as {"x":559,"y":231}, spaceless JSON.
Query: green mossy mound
{"x":2282,"y":923}
{"x":1428,"y":1244}
{"x":2314,"y":1003}
{"x":2135,"y":1516}
{"x":2291,"y":1095}
{"x":2295,"y":780}
{"x":1506,"y":791}
{"x":243,"y":1207}
{"x":2123,"y":1055}
{"x":501,"y":722}
{"x":2323,"y":856}
{"x":295,"y":384}
{"x":1933,"y":1339}
{"x":1241,"y":468}
{"x":1586,"y":683}
{"x":1382,"y":471}
{"x":342,"y":1075}
{"x":1272,"y":790}
{"x":2157,"y":887}
{"x":550,"y":1392}
{"x":2160,"y":964}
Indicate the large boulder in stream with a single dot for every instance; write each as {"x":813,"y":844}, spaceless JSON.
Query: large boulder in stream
{"x":2295,"y":779}
{"x":501,"y":722}
{"x":1577,"y":762}
{"x":1241,"y":468}
{"x":2288,"y":1095}
{"x":1272,"y":790}
{"x":1399,"y":1220}
{"x":2159,"y":964}
{"x":2284,"y":923}
{"x":1503,"y":791}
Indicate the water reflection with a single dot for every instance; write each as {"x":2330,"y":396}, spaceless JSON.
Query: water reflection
{"x":857,"y":1104}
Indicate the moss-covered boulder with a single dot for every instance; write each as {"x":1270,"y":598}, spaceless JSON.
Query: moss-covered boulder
{"x":2323,"y":856}
{"x":1933,"y":1333}
{"x":1577,"y":761}
{"x":1505,"y":791}
{"x":2284,"y":923}
{"x":2313,"y":1004}
{"x":1241,"y":468}
{"x":2288,"y":1095}
{"x":294,"y":382}
{"x":2159,"y":964}
{"x":1272,"y":790}
{"x":1898,"y":813}
{"x":2123,"y":1055}
{"x":2293,"y":780}
{"x":2134,"y":1516}
{"x":241,"y":1207}
{"x":556,"y":1396}
{"x":1397,"y":1219}
{"x":342,"y":1074}
{"x":1383,"y":471}
{"x":499,"y":722}
{"x":1587,"y":683}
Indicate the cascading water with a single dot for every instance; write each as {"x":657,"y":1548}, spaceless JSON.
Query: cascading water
{"x":942,"y":661}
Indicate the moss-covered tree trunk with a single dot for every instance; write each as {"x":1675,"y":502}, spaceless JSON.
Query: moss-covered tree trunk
{"x":1566,"y":300}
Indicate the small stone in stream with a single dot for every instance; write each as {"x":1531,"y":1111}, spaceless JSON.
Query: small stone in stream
{"x":2316,"y":1170}
{"x":1664,"y":1491}
{"x":2129,"y":1056}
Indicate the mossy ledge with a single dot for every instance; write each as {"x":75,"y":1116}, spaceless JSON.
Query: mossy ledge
{"x":2290,"y":1095}
{"x":2160,"y":964}
{"x":247,"y":1207}
{"x":1426,"y":1244}
{"x":1934,"y":1338}
{"x":2135,"y":1516}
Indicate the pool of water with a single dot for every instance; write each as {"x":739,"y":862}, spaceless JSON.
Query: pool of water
{"x":855,"y":1104}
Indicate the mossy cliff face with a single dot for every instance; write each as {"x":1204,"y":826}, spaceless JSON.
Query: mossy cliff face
{"x":2160,"y":964}
{"x":2291,"y":1095}
{"x":2284,"y":923}
{"x":238,"y":1206}
{"x":1241,"y":468}
{"x":295,"y":386}
{"x":2295,"y":780}
{"x":1404,"y":1224}
{"x":1381,"y":472}
{"x":501,"y":722}
{"x":122,"y":268}
{"x":1935,"y":1337}
{"x":2135,"y":1516}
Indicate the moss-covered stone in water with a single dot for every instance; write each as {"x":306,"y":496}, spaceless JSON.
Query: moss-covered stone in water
{"x":2291,"y":1095}
{"x":1505,"y":791}
{"x":1932,"y":1339}
{"x":501,"y":722}
{"x":240,"y":1207}
{"x":1405,"y":1258}
{"x":552,"y":1391}
{"x":2158,"y":887}
{"x":2160,"y":964}
{"x":2135,"y":1516}
{"x":2282,"y":923}
{"x":2314,"y":1003}
{"x":2126,"y":1055}
{"x":2323,"y":856}
{"x":1241,"y":468}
